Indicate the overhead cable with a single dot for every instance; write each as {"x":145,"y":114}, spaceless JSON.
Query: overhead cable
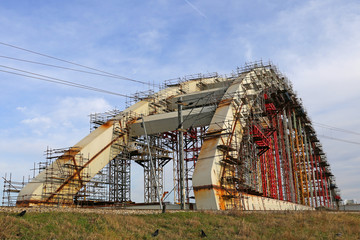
{"x":73,"y":69}
{"x":73,"y":63}
{"x":339,"y":139}
{"x":63,"y":82}
{"x":335,"y":128}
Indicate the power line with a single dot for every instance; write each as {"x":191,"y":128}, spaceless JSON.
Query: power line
{"x":106,"y":74}
{"x":69,"y":62}
{"x":73,"y":69}
{"x":63,"y":82}
{"x":335,"y":128}
{"x":339,"y":139}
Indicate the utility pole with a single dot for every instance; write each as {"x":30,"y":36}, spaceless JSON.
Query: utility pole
{"x":181,"y":153}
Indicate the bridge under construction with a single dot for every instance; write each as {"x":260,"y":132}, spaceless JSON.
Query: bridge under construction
{"x":238,"y":141}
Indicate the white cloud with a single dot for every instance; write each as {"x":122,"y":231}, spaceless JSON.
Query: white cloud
{"x":67,"y":117}
{"x":248,"y":48}
{"x":43,"y":122}
{"x":151,"y":39}
{"x":78,"y":107}
{"x":21,"y":109}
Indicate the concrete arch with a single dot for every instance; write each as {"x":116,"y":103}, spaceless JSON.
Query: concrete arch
{"x":224,"y":104}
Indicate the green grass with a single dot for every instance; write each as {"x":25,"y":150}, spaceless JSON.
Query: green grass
{"x":181,"y":225}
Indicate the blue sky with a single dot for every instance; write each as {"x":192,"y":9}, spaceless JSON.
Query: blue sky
{"x":315,"y":43}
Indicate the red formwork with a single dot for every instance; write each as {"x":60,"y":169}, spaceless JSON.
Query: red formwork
{"x":285,"y":160}
{"x":309,"y":181}
{"x":289,"y":167}
{"x":314,"y":177}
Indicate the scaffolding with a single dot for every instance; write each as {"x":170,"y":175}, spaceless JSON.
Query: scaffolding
{"x":98,"y":119}
{"x":65,"y":164}
{"x":95,"y":191}
{"x":267,"y":147}
{"x":11,"y":190}
{"x":159,"y":156}
{"x":106,"y":188}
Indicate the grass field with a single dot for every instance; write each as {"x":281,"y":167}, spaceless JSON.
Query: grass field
{"x":181,"y":225}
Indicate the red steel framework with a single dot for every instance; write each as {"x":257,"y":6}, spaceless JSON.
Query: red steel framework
{"x":292,"y":165}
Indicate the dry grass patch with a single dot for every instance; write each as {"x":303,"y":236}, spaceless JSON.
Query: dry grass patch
{"x":182,"y":225}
